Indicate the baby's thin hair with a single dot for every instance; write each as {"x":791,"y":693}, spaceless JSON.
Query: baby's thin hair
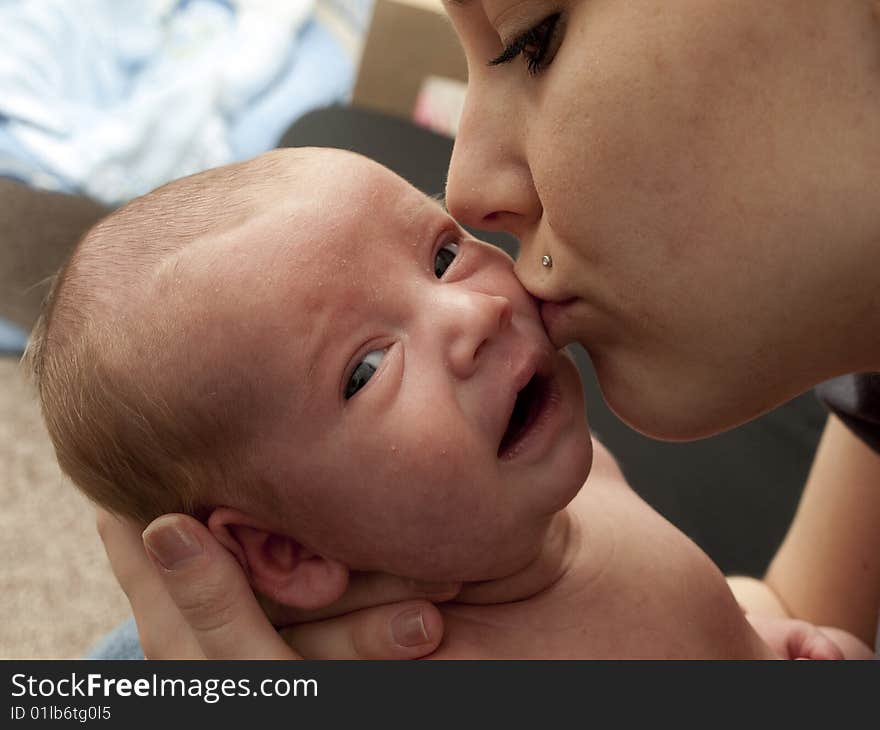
{"x":128,"y":425}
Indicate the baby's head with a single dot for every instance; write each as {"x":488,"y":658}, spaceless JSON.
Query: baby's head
{"x":312,"y":355}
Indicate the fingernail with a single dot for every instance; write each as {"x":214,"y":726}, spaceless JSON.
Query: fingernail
{"x":408,"y":628}
{"x":171,"y":545}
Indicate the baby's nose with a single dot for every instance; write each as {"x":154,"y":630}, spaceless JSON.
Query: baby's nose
{"x":474,"y":320}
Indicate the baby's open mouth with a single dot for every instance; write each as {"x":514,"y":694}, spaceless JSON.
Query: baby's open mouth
{"x":530,"y":403}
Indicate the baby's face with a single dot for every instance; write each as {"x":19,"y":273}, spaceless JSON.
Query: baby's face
{"x":413,"y":415}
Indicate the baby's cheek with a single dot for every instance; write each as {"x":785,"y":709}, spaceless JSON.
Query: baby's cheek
{"x":434,"y":439}
{"x":439,"y":460}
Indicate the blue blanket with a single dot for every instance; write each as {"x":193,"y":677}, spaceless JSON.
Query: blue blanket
{"x":112,"y":98}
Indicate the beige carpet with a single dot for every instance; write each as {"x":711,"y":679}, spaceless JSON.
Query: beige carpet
{"x":57,"y":594}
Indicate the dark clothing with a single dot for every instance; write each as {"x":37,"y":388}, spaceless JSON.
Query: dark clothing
{"x":855,"y":399}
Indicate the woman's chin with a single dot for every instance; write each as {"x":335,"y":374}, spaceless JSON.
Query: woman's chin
{"x":671,"y":408}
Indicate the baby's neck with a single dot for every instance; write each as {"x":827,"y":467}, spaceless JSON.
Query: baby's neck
{"x":560,"y":546}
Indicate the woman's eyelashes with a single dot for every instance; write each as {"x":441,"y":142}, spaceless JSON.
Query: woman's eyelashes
{"x":444,"y":257}
{"x":363,"y":372}
{"x":538,"y":45}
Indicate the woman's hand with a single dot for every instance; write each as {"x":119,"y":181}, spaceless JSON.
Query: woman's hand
{"x":191,"y":600}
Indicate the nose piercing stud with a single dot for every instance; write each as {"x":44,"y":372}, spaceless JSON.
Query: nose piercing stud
{"x":547,"y":262}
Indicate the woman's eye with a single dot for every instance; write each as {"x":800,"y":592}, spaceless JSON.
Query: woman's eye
{"x":444,"y":258}
{"x":538,"y":45}
{"x":363,"y":372}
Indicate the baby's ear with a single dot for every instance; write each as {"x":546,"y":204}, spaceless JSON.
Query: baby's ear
{"x":277,"y":565}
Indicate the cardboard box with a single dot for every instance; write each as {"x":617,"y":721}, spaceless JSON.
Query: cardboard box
{"x":408,"y":41}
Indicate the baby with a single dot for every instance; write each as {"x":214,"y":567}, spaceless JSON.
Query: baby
{"x":314,"y":358}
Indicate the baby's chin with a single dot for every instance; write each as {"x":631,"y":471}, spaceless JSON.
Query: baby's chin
{"x":529,"y":569}
{"x":505,"y":562}
{"x":498,"y":551}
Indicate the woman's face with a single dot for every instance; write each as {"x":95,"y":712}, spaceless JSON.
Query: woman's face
{"x":703,"y":174}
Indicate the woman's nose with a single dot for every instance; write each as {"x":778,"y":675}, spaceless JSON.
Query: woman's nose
{"x":490,"y":184}
{"x":470,"y":320}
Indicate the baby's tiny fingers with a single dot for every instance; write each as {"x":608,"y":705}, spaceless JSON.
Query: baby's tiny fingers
{"x":816,"y":645}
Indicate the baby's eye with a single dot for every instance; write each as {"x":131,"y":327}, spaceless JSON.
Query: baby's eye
{"x":444,"y":258}
{"x":363,"y":372}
